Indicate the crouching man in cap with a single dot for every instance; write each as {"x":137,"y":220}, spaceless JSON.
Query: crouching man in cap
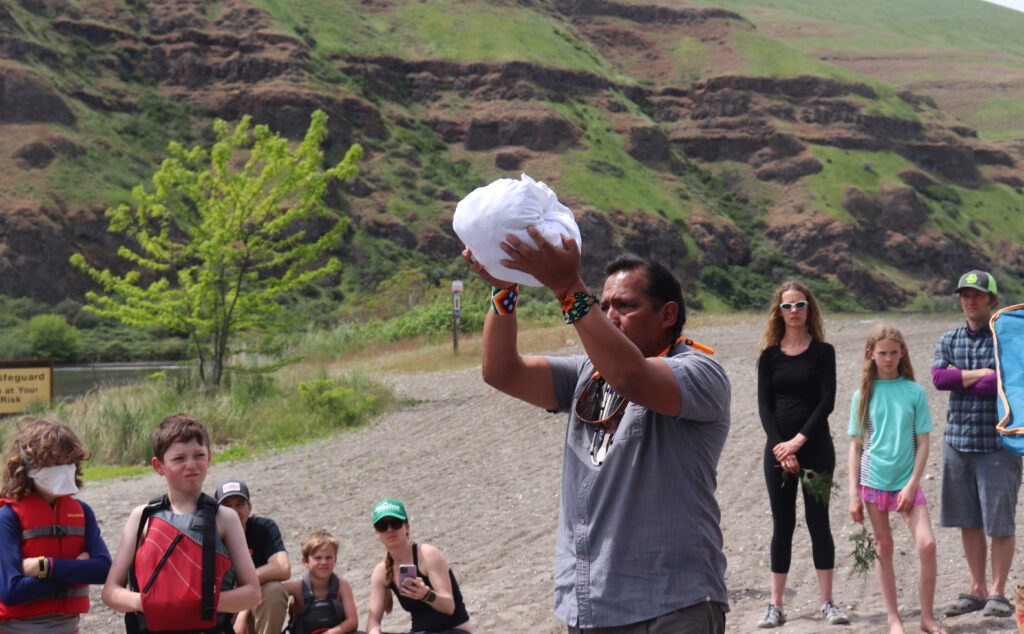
{"x":268,"y":555}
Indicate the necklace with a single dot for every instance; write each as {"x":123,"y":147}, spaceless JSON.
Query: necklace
{"x":599,"y":405}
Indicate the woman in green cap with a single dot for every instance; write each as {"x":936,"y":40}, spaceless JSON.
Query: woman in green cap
{"x":418,"y":574}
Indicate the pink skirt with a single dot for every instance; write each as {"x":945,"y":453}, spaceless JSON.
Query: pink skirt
{"x":887,"y":500}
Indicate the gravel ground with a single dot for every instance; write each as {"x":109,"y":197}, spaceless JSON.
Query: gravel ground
{"x":479,"y":473}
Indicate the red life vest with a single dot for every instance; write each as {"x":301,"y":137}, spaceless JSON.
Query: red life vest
{"x":178,"y":568}
{"x":57,"y":532}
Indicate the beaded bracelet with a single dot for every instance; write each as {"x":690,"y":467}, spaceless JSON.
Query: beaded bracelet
{"x":576,"y":305}
{"x":504,"y":300}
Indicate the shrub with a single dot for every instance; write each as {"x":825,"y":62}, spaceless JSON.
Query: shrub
{"x":52,"y":337}
{"x":339,"y":404}
{"x":14,"y":344}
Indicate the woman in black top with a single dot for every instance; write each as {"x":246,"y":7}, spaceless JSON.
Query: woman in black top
{"x":796,"y":390}
{"x":431,"y":595}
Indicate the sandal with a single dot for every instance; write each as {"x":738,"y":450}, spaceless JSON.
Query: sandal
{"x":966,"y":603}
{"x":997,"y":605}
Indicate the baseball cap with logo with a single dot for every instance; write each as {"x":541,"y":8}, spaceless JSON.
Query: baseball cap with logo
{"x":232,"y":487}
{"x":978,"y":280}
{"x":389,"y":508}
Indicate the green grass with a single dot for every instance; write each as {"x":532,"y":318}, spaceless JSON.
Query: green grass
{"x":1002,"y":117}
{"x":887,"y":104}
{"x":946,"y":25}
{"x":335,"y":26}
{"x":692,"y":59}
{"x":481,"y":31}
{"x":605,"y":176}
{"x":250,"y":413}
{"x":775,"y":58}
{"x":412,"y":164}
{"x":997,"y":208}
{"x":441,"y":29}
{"x":844,"y":168}
{"x":991,"y":212}
{"x":896,"y":275}
{"x":106,"y":472}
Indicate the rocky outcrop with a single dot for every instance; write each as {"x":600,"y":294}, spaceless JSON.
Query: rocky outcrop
{"x":649,"y":145}
{"x":391,"y":230}
{"x":890,"y":229}
{"x":644,"y":14}
{"x":638,"y":234}
{"x":790,"y":170}
{"x":36,"y":242}
{"x":917,"y":179}
{"x":25,"y":97}
{"x":820,"y":249}
{"x":721,"y":242}
{"x":950,"y":161}
{"x":738,"y":145}
{"x":39,"y":154}
{"x":541,"y":132}
{"x":515,"y":115}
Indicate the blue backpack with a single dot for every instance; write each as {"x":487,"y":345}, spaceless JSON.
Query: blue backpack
{"x":1008,"y":337}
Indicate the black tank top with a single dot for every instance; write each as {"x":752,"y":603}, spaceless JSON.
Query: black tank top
{"x":426,"y":618}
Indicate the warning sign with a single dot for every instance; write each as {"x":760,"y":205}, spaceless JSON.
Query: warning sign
{"x":24,"y":383}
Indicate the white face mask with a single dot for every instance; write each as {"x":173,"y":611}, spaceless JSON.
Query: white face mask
{"x":56,"y":480}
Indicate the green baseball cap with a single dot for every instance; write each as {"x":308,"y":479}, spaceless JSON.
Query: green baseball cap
{"x":978,"y":280}
{"x":389,"y":508}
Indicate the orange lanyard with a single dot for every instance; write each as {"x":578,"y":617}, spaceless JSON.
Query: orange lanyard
{"x":689,"y":342}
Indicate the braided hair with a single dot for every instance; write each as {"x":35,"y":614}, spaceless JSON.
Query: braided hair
{"x":389,"y":577}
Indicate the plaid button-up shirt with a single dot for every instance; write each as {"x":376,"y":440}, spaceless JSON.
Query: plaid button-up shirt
{"x":970,"y":420}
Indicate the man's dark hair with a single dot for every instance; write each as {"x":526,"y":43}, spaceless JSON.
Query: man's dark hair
{"x":662,"y":285}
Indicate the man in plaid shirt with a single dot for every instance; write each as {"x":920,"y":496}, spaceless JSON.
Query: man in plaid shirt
{"x":979,"y":480}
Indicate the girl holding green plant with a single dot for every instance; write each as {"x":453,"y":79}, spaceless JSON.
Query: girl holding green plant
{"x":889,"y":425}
{"x":796,"y":391}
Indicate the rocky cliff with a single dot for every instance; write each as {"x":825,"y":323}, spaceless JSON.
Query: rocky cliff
{"x":768,"y":134}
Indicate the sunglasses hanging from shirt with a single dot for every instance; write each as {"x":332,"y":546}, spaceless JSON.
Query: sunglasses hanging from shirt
{"x":601,"y":406}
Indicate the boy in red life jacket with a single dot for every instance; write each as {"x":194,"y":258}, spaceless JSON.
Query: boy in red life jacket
{"x":50,"y":544}
{"x":167,"y":570}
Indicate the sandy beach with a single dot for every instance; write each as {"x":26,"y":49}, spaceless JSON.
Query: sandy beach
{"x":479,"y":473}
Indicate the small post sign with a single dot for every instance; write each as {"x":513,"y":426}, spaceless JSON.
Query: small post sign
{"x":456,"y":313}
{"x":25,"y":383}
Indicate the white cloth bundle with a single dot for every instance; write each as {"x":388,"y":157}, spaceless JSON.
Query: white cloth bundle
{"x":507,"y":206}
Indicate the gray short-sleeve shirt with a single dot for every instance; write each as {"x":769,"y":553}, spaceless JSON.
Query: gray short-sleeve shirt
{"x":639,"y":535}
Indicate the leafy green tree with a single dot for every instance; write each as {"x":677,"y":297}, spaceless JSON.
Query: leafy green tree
{"x":52,"y":337}
{"x":221,"y":237}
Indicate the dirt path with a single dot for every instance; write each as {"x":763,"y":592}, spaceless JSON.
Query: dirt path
{"x":479,"y":473}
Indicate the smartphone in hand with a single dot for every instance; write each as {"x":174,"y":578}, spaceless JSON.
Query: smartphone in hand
{"x":406,"y":571}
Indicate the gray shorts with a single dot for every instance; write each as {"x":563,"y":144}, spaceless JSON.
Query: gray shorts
{"x":979,"y":490}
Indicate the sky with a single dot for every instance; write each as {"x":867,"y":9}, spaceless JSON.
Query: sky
{"x":1013,"y":4}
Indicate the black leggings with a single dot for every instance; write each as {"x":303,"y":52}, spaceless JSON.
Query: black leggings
{"x":782,"y":496}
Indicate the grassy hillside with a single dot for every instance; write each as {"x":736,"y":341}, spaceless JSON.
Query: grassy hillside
{"x":965,"y":54}
{"x":948,"y":49}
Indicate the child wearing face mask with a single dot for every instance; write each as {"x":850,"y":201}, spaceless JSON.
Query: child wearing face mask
{"x":50,"y":544}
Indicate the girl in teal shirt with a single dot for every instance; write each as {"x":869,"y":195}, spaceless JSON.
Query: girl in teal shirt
{"x":889,"y":426}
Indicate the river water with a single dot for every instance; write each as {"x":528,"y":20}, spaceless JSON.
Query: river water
{"x":76,"y":380}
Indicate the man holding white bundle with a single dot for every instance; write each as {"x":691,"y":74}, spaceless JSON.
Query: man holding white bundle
{"x":639,"y":544}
